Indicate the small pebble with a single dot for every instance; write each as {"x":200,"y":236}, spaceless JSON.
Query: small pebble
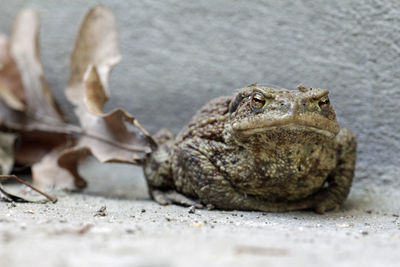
{"x":129,"y":231}
{"x":101,"y":212}
{"x":364,"y":233}
{"x":11,"y":205}
{"x":192,"y":209}
{"x":30,"y":211}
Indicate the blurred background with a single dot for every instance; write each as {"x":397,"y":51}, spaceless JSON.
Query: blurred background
{"x":179,"y":54}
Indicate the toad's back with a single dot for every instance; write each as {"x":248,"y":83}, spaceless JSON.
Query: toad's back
{"x":208,"y":122}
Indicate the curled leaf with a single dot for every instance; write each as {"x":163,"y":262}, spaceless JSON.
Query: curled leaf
{"x":96,"y":44}
{"x":32,"y":146}
{"x":11,"y":88}
{"x":110,"y":137}
{"x":25,"y":51}
{"x":95,"y":96}
{"x":47,"y":173}
{"x":6,"y":163}
{"x":27,"y":105}
{"x":7,"y":141}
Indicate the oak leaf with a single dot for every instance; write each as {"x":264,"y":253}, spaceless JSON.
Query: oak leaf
{"x":110,"y":137}
{"x":27,"y":105}
{"x":6,"y":163}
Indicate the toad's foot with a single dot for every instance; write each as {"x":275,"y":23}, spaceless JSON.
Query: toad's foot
{"x":173,"y":197}
{"x":326,"y":202}
{"x":339,"y":181}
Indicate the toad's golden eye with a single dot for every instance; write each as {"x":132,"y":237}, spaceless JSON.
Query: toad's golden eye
{"x":257,"y":101}
{"x":324,"y":103}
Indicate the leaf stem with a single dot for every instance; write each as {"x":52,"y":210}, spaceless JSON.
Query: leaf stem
{"x":51,"y":198}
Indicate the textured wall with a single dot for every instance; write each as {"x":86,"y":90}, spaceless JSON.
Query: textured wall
{"x":179,"y":54}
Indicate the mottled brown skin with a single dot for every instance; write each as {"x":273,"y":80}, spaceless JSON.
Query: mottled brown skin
{"x":262,"y":149}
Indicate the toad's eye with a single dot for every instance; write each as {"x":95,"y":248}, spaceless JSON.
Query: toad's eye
{"x":257,"y":101}
{"x":324,"y":103}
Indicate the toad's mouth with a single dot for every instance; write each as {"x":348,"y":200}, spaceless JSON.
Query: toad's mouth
{"x":291,"y":124}
{"x":290,"y":128}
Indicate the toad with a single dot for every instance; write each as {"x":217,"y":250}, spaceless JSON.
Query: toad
{"x":262,"y":149}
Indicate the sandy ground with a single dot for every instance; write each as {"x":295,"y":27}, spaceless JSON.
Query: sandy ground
{"x":134,"y":231}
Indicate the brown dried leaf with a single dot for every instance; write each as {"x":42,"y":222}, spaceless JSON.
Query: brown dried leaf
{"x":9,"y":72}
{"x":7,"y":141}
{"x":22,"y":83}
{"x":48,"y":174}
{"x":9,"y":98}
{"x":95,"y":95}
{"x":32,"y":146}
{"x":117,"y":128}
{"x":11,"y":89}
{"x":28,"y":105}
{"x":6,"y":163}
{"x":113,"y":137}
{"x":25,"y":51}
{"x":96,"y":44}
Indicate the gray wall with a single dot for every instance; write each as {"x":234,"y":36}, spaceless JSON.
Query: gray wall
{"x":179,"y":54}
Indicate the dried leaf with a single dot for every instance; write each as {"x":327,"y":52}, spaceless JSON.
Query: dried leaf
{"x":95,"y":94}
{"x":48,"y":174}
{"x":96,"y":44}
{"x":11,"y":88}
{"x":22,"y":83}
{"x":32,"y":146}
{"x":113,"y":137}
{"x":7,"y":141}
{"x":25,"y":51}
{"x":117,"y":128}
{"x":9,"y":98}
{"x":28,"y":106}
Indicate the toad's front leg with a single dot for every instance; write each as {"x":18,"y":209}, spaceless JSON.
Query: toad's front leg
{"x":340,"y":179}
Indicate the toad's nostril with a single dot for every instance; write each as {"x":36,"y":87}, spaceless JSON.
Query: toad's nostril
{"x":283,"y":102}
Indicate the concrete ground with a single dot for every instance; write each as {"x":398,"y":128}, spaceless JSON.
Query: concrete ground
{"x":135,"y":231}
